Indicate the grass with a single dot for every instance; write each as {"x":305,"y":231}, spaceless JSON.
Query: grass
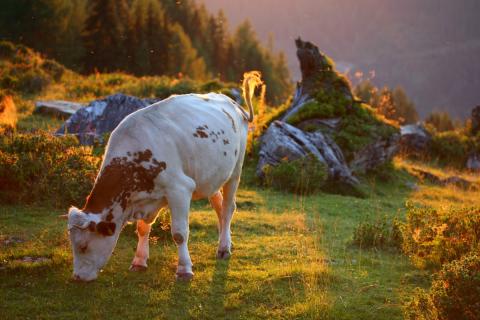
{"x":292,"y":259}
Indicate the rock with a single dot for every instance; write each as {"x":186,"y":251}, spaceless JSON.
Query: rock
{"x":282,"y":140}
{"x":58,"y":108}
{"x":375,"y":154}
{"x":414,"y":138}
{"x":317,"y":73}
{"x":476,"y":120}
{"x":473,"y":162}
{"x":452,"y":180}
{"x":100,"y":117}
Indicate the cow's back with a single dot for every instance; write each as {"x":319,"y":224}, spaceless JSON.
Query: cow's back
{"x":200,"y":136}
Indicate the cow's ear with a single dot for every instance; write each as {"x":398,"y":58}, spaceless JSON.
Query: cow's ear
{"x":106,"y":228}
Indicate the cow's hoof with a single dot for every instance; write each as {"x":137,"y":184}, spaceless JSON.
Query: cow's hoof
{"x":184,"y":276}
{"x":223,"y":254}
{"x":138,"y":268}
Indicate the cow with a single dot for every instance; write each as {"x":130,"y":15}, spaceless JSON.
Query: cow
{"x":183,"y":148}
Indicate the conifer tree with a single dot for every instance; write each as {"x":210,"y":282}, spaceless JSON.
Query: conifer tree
{"x":106,"y":35}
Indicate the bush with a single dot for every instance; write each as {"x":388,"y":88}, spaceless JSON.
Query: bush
{"x":40,"y":168}
{"x":379,"y":234}
{"x":453,"y":148}
{"x":302,"y":176}
{"x":454,"y":293}
{"x":33,"y":81}
{"x":431,"y":238}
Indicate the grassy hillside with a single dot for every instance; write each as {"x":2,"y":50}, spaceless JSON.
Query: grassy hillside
{"x":292,"y":259}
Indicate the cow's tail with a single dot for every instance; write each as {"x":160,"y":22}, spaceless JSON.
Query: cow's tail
{"x":251,"y":80}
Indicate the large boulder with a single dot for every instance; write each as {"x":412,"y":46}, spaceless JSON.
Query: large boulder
{"x":101,"y":116}
{"x":375,"y":154}
{"x":414,"y":138}
{"x":283,"y":141}
{"x":323,"y":115}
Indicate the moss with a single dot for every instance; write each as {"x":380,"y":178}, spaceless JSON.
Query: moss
{"x":359,"y":128}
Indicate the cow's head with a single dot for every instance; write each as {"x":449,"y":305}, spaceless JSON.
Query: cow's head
{"x":93,"y":241}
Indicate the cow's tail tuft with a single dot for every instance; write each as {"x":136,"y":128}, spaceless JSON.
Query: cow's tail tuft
{"x":251,"y":80}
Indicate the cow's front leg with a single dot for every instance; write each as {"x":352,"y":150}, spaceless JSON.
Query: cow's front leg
{"x":139,"y":262}
{"x":179,"y":203}
{"x":228,"y":208}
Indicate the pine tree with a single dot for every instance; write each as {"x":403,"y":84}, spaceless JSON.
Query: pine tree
{"x":182,"y":56}
{"x":106,"y":36}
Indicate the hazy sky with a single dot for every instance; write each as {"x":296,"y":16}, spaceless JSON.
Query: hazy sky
{"x":430,"y":47}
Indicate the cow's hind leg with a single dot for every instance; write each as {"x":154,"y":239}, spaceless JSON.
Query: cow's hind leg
{"x":228,"y":208}
{"x":179,"y":203}
{"x":139,"y":262}
{"x":216,"y":202}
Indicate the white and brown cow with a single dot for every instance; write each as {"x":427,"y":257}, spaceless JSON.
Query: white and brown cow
{"x":183,"y":148}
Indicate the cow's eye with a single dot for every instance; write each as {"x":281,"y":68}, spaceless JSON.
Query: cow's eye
{"x":83,"y":248}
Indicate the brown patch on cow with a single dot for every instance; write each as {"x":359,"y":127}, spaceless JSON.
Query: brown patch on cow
{"x":121,"y":177}
{"x":109,"y":215}
{"x":231,"y":119}
{"x":225,"y":141}
{"x":200,"y":133}
{"x":106,"y":228}
{"x":178,"y":238}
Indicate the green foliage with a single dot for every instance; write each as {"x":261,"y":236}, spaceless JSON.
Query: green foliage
{"x":420,"y":306}
{"x":441,"y":121}
{"x":327,"y":104}
{"x":456,"y":290}
{"x":302,"y":176}
{"x":360,"y":127}
{"x":453,"y":295}
{"x":40,"y":168}
{"x":432,"y":238}
{"x":392,"y":104}
{"x":25,"y":71}
{"x":378,"y":234}
{"x":452,"y":147}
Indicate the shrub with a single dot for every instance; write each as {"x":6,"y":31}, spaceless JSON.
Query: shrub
{"x":302,"y":176}
{"x":420,"y":306}
{"x":53,"y":68}
{"x":431,"y":238}
{"x":454,"y":293}
{"x":379,"y":234}
{"x":33,"y":81}
{"x":452,"y":147}
{"x":40,"y":168}
{"x":456,"y":290}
